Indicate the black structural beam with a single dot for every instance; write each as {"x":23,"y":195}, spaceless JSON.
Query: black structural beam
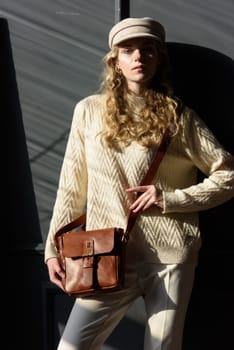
{"x":122,"y":9}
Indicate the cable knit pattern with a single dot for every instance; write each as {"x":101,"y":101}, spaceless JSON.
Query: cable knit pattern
{"x":95,"y":178}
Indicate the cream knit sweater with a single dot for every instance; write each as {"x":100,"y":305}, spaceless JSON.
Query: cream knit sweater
{"x":95,"y":178}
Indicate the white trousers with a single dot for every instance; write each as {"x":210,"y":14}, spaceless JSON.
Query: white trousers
{"x":166,"y":291}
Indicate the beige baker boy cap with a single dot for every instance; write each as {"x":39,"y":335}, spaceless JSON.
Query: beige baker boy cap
{"x":130,"y":28}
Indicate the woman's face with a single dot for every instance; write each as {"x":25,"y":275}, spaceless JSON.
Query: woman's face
{"x":138,"y":60}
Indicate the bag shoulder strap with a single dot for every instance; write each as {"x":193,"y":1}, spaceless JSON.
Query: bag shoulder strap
{"x":80,"y":221}
{"x":161,"y":150}
{"x":150,"y":174}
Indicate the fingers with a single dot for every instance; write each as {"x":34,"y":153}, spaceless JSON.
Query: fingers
{"x":142,"y":203}
{"x":147,"y":197}
{"x":56,"y":273}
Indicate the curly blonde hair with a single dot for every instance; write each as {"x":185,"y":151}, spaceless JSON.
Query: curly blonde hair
{"x":157,"y":106}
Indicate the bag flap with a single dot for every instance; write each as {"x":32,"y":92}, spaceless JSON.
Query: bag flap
{"x":74,"y":244}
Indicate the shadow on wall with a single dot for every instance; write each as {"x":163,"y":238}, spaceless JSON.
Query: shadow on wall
{"x":204,"y":78}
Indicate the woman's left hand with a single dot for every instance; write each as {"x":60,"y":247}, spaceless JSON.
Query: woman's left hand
{"x":146,"y":196}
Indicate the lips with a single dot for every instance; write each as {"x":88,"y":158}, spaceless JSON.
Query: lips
{"x":138,"y":68}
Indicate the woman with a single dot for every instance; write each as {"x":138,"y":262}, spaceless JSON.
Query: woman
{"x":113,"y":137}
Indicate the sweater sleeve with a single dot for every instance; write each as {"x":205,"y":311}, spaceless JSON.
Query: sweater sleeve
{"x":208,"y":155}
{"x":72,"y":188}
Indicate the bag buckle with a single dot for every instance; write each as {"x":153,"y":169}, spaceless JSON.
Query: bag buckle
{"x":88,"y":248}
{"x":88,"y":255}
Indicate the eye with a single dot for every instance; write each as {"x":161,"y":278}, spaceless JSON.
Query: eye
{"x":127,"y":50}
{"x":149,"y":50}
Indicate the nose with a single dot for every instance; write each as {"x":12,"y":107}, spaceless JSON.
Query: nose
{"x":137,"y":55}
